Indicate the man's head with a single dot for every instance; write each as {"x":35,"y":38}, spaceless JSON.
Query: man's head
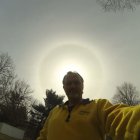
{"x":73,"y":85}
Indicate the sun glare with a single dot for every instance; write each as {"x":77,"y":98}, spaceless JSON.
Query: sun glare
{"x":71,"y":58}
{"x":63,"y":69}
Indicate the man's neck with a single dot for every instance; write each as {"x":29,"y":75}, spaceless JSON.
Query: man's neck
{"x":73,"y":102}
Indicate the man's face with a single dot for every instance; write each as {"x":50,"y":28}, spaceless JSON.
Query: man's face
{"x":73,"y":86}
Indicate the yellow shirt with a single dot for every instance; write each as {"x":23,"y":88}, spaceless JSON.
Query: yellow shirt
{"x":91,"y":121}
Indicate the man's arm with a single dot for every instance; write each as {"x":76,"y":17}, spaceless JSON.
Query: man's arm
{"x":137,"y":131}
{"x":118,"y":121}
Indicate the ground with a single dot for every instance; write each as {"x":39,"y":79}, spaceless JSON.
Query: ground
{"x":5,"y":137}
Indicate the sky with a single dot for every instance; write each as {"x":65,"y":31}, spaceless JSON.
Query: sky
{"x":47,"y":38}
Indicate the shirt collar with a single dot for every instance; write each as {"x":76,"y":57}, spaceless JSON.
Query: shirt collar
{"x":83,"y":102}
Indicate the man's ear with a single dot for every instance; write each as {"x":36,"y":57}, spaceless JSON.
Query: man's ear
{"x":82,"y":88}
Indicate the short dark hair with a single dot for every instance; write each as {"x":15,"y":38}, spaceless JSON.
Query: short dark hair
{"x":73,"y":73}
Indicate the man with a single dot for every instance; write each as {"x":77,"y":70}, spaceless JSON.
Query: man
{"x":82,"y":119}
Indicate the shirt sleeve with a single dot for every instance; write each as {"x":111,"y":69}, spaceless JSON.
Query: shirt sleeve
{"x":118,"y":121}
{"x":137,"y":131}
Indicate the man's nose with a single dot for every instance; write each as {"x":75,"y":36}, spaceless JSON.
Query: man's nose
{"x":73,"y":85}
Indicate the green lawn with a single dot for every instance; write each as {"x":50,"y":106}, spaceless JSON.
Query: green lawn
{"x":5,"y":137}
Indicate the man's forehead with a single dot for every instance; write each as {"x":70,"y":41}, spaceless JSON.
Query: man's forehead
{"x":72,"y":77}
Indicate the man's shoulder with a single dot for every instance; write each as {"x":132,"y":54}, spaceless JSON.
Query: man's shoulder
{"x":101,"y":100}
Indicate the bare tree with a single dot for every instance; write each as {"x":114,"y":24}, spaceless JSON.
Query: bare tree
{"x":15,"y":95}
{"x":7,"y":74}
{"x":127,"y":94}
{"x":24,"y":90}
{"x":15,"y":105}
{"x":114,"y":5}
{"x":6,"y":64}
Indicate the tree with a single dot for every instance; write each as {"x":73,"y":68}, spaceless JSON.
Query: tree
{"x":127,"y":94}
{"x":40,"y":112}
{"x":6,"y":64}
{"x":7,"y":74}
{"x":15,"y":104}
{"x":114,"y":5}
{"x":14,"y":94}
{"x":52,"y":99}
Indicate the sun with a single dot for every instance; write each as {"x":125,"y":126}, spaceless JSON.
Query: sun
{"x":71,"y":58}
{"x":64,"y":67}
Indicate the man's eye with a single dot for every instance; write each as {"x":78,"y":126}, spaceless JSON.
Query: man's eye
{"x":74,"y":82}
{"x":68,"y":83}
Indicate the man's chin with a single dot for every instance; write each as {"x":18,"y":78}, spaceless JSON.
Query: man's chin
{"x":74,"y":97}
